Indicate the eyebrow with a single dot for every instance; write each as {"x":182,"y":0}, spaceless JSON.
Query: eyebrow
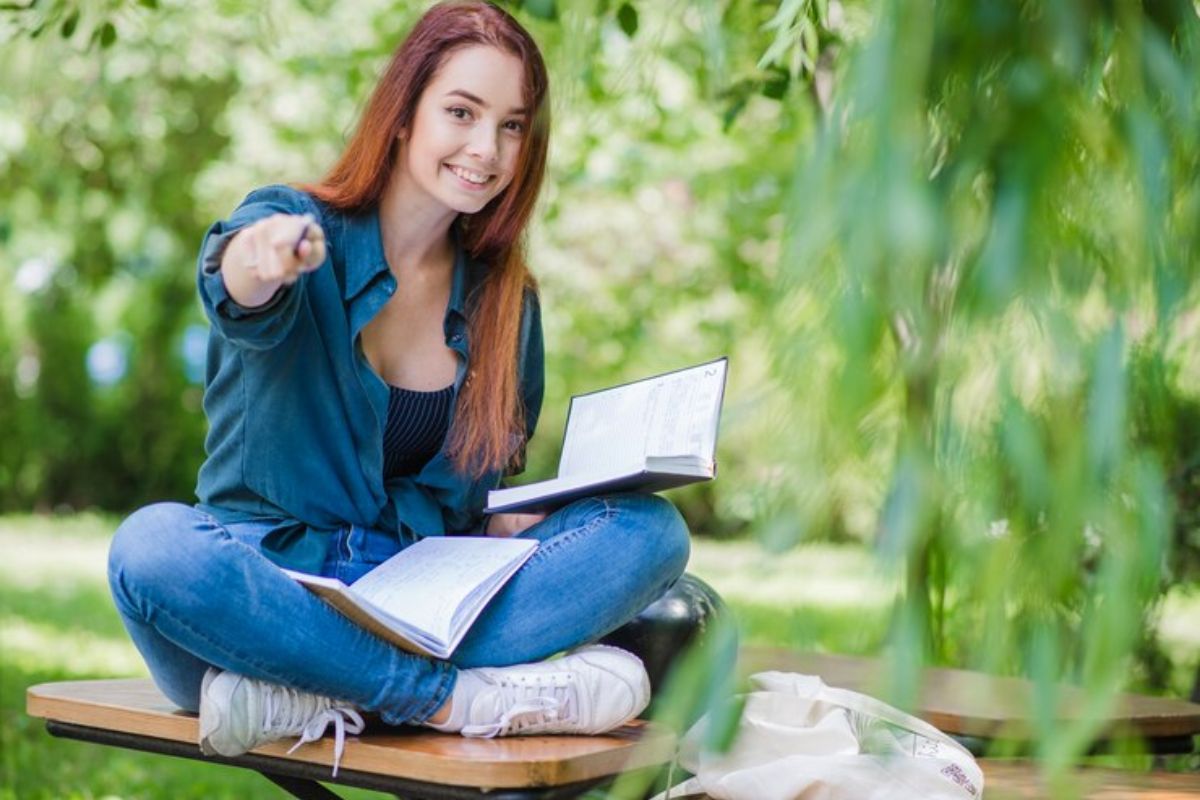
{"x":479,"y":101}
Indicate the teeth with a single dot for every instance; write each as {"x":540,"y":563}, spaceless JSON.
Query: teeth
{"x":467,"y":175}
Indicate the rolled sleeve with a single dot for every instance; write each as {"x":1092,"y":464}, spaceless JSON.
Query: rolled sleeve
{"x":267,"y":325}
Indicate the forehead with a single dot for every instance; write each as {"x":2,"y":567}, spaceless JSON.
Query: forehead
{"x":493,"y":75}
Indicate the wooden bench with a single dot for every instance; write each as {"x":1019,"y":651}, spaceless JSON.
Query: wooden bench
{"x":422,"y":765}
{"x":1016,"y":780}
{"x":980,"y":707}
{"x":414,"y":764}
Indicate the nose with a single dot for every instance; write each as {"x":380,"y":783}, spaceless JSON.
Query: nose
{"x":484,"y":144}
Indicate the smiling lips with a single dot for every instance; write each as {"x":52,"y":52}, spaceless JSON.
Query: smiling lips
{"x":473,"y":178}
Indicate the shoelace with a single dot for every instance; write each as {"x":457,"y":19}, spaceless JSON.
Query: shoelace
{"x":344,"y":720}
{"x":287,"y":711}
{"x":522,"y":713}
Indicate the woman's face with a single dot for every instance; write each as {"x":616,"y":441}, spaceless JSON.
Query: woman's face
{"x":467,"y":131}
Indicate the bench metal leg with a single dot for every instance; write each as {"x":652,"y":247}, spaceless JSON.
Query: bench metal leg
{"x":301,"y":789}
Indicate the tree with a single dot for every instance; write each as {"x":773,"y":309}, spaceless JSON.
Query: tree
{"x":991,"y":249}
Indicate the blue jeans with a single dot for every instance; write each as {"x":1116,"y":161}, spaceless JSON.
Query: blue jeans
{"x":195,"y":593}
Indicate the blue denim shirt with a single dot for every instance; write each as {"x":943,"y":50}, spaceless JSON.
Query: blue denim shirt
{"x":296,"y":412}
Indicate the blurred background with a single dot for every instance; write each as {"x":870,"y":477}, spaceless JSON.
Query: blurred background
{"x":949,"y":249}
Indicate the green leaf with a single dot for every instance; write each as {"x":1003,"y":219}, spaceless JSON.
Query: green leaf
{"x":732,"y":111}
{"x":151,"y":4}
{"x":627,"y":18}
{"x":725,"y":718}
{"x":810,"y":44}
{"x":108,"y":35}
{"x":1107,"y":412}
{"x":786,"y":24}
{"x":69,"y":24}
{"x":786,"y":16}
{"x":776,"y":84}
{"x":822,"y":7}
{"x":542,"y":9}
{"x":903,"y":509}
{"x":1023,"y":450}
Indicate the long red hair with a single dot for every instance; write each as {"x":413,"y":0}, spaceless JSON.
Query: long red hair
{"x":489,"y":418}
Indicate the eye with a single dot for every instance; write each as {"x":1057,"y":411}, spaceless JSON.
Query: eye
{"x":515,"y":126}
{"x":458,"y":112}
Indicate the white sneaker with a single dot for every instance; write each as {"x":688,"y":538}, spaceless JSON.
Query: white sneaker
{"x":592,"y":690}
{"x":238,"y":714}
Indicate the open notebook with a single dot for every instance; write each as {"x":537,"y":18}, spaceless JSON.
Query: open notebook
{"x":645,"y":436}
{"x":426,"y":597}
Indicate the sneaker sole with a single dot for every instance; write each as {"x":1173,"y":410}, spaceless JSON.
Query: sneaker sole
{"x":206,"y":748}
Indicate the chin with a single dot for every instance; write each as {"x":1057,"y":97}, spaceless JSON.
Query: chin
{"x":471,"y":205}
{"x":466,"y":208}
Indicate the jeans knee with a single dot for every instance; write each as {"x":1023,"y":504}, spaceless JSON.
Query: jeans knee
{"x":677,"y":540}
{"x":144,"y":548}
{"x":665,"y":533}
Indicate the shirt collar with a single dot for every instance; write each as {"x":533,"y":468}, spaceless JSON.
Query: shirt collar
{"x":365,"y":261}
{"x":362,"y":247}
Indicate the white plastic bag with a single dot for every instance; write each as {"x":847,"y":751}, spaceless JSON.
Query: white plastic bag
{"x":799,"y":739}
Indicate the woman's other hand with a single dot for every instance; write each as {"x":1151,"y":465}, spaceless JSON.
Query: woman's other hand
{"x":506,"y":525}
{"x":272,"y":252}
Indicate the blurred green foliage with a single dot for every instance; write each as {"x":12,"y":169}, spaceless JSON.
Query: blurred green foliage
{"x":991,"y":254}
{"x":950,"y":249}
{"x":652,"y":244}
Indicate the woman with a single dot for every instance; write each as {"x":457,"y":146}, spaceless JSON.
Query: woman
{"x":374,"y":368}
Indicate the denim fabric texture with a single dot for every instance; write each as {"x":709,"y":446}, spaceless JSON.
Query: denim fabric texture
{"x":295,"y":411}
{"x":194,"y":592}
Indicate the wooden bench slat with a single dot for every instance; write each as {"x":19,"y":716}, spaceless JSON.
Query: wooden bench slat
{"x":975,"y":704}
{"x":136,"y":706}
{"x":1004,"y":780}
{"x":1021,"y":780}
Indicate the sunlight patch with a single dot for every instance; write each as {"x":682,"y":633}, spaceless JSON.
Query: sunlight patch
{"x":1177,"y":627}
{"x":47,"y":559}
{"x":830,"y":577}
{"x":42,"y":648}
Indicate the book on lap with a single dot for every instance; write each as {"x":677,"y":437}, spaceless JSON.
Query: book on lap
{"x":425,"y":598}
{"x":645,"y":436}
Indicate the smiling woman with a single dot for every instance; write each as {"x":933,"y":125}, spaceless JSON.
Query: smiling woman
{"x":375,"y":366}
{"x":458,"y":132}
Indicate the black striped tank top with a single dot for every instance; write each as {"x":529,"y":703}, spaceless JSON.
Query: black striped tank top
{"x":417,"y":423}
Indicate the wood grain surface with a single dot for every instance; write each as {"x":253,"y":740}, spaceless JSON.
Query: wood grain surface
{"x":1016,"y":780}
{"x":1005,"y":780}
{"x":136,"y":706}
{"x":976,"y":704}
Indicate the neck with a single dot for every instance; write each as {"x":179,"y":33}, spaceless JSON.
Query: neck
{"x":416,"y":235}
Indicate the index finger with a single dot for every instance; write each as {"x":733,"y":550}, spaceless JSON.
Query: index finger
{"x":308,"y":225}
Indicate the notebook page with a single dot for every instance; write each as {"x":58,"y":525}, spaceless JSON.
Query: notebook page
{"x":425,"y":583}
{"x":606,"y":433}
{"x":612,"y":431}
{"x":683,"y":411}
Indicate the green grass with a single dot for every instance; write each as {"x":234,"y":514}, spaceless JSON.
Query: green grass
{"x":57,"y":623}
